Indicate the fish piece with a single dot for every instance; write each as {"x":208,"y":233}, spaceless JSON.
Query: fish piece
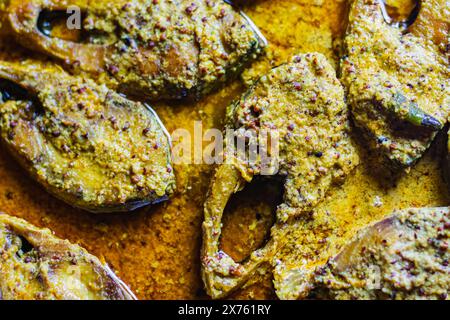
{"x":397,"y":77}
{"x":36,"y":265}
{"x":404,"y":256}
{"x":86,"y":144}
{"x":154,"y":49}
{"x":302,"y":103}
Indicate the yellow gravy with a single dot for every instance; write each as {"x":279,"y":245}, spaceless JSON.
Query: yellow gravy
{"x":156,"y":250}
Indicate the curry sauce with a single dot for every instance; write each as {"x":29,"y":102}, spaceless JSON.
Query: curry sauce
{"x":156,"y":250}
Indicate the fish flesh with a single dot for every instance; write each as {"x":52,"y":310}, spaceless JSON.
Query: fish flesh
{"x":397,"y":77}
{"x":404,"y":256}
{"x":165,"y":49}
{"x":36,"y":265}
{"x":302,"y":102}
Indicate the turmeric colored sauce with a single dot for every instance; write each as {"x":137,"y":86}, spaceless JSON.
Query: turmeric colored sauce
{"x":156,"y":250}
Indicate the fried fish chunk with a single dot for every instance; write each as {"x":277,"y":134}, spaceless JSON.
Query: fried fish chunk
{"x":166,"y":49}
{"x":404,"y":256}
{"x":398,"y":78}
{"x":86,"y":144}
{"x":302,"y":103}
{"x":36,"y":265}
